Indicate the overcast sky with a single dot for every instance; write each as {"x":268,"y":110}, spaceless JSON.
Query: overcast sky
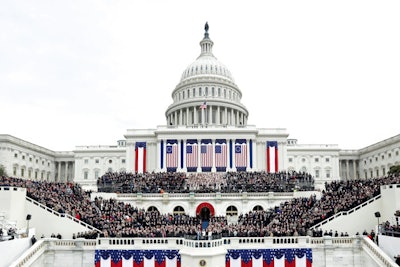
{"x":83,"y":72}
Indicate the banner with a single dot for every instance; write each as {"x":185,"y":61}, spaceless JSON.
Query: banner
{"x":269,"y":258}
{"x":137,"y":258}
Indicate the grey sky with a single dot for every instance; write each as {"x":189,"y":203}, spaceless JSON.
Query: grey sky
{"x":82,"y":72}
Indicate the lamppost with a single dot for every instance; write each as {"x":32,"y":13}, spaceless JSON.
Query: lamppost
{"x":28,"y":218}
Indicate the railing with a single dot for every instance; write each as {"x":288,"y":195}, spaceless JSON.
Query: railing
{"x":30,"y":255}
{"x":345,"y":212}
{"x":207,"y":195}
{"x":41,"y":246}
{"x":371,"y":248}
{"x":62,"y":215}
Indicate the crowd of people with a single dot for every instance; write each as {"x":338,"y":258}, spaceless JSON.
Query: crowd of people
{"x":230,"y":182}
{"x":118,"y":219}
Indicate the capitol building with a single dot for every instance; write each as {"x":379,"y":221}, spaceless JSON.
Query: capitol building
{"x":206,"y":131}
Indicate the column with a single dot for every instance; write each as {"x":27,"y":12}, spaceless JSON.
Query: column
{"x":180,"y":117}
{"x":187,"y":116}
{"x":195,"y":119}
{"x":211,"y":115}
{"x":354,"y":169}
{"x":347,"y":170}
{"x":58,"y":172}
{"x":237,"y":118}
{"x":218,"y":117}
{"x":66,"y":172}
{"x":226,"y":116}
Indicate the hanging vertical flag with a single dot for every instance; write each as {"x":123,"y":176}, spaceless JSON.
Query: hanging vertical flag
{"x":140,"y":157}
{"x":137,"y":258}
{"x":299,"y":257}
{"x":206,"y":155}
{"x":272,"y":156}
{"x":172,"y":155}
{"x":220,"y":155}
{"x":240,"y":154}
{"x":191,"y":155}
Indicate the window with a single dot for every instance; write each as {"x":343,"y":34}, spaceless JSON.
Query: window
{"x":290,"y":159}
{"x":316,"y":159}
{"x":152,"y":208}
{"x":383,"y":157}
{"x":110,"y":161}
{"x":316,"y":173}
{"x":96,"y":175}
{"x":36,"y":175}
{"x":22,"y":172}
{"x":326,"y":159}
{"x":397,"y":153}
{"x":15,"y":155}
{"x":376,"y":158}
{"x":258,"y":208}
{"x":390,"y":155}
{"x":123,"y":161}
{"x":29,"y":173}
{"x":85,"y":175}
{"x":328,"y":174}
{"x":97,"y":161}
{"x":178,"y":210}
{"x":37,"y":161}
{"x":15,"y":171}
{"x":370,"y":161}
{"x":48,"y":164}
{"x":30,"y":159}
{"x":231,"y":211}
{"x":42,"y":162}
{"x":303,"y":160}
{"x":86,"y":161}
{"x":23,"y":157}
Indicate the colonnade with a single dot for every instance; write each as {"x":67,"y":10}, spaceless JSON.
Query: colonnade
{"x":65,"y":171}
{"x":224,"y":162}
{"x":209,"y":115}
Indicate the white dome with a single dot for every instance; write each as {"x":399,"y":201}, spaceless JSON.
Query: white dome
{"x":207,"y":65}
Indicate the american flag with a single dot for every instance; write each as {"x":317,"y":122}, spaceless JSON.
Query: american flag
{"x":137,"y":258}
{"x":191,"y":155}
{"x":203,"y":106}
{"x":272,"y":156}
{"x":206,"y":155}
{"x":241,"y":155}
{"x":172,"y":155}
{"x":220,"y":155}
{"x":298,"y":257}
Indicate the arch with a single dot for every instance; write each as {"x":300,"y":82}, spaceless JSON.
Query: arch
{"x":258,"y":208}
{"x":205,"y":205}
{"x":179,"y":210}
{"x":231,"y":211}
{"x":152,"y":208}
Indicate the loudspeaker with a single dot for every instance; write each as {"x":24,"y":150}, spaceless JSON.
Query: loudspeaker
{"x":377,"y":214}
{"x":28,"y":217}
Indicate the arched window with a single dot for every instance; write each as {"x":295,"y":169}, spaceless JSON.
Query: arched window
{"x":231,"y":211}
{"x":178,"y":210}
{"x":152,"y":208}
{"x":258,"y":208}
